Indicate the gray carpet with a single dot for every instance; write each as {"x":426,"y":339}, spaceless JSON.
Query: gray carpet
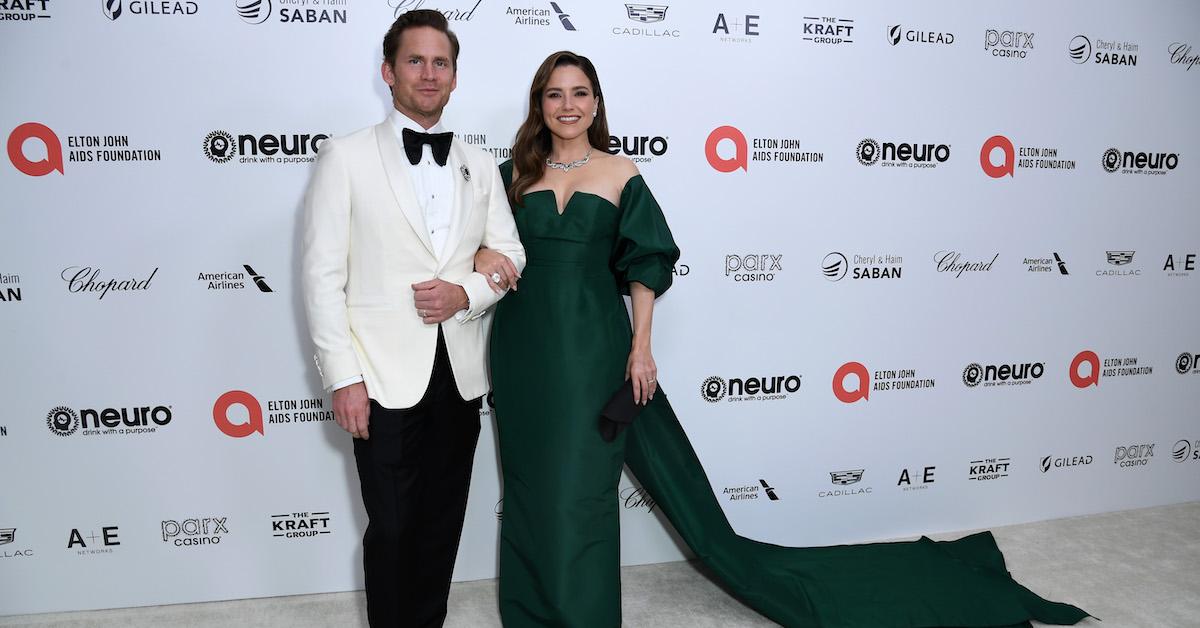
{"x":1133,"y":569}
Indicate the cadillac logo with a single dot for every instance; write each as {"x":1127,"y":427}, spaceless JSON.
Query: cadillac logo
{"x":846,"y":477}
{"x":646,"y":13}
{"x":1120,"y":258}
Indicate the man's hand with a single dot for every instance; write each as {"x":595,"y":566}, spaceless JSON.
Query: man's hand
{"x":438,"y":300}
{"x":352,"y":409}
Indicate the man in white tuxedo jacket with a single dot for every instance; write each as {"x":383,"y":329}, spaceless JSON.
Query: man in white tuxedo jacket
{"x":393,"y":218}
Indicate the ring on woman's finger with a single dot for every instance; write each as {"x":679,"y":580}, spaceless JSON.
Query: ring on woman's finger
{"x":495,"y":277}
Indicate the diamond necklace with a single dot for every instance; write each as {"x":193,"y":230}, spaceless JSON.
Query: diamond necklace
{"x":567,"y":167}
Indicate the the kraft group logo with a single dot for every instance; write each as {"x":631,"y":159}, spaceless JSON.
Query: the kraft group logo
{"x":740,"y":148}
{"x":225,"y":402}
{"x":20,"y":159}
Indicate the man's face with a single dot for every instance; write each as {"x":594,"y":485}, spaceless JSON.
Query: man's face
{"x":423,"y":75}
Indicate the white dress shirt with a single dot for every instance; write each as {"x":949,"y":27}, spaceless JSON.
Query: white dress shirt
{"x":433,"y":184}
{"x":434,"y":188}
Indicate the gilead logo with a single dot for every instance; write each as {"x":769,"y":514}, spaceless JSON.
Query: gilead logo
{"x":863,"y":391}
{"x":741,"y":150}
{"x":1092,"y":378}
{"x":16,"y":150}
{"x":985,"y":157}
{"x":247,"y":401}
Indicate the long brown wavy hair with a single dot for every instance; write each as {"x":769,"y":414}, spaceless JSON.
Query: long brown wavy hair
{"x":532,"y":145}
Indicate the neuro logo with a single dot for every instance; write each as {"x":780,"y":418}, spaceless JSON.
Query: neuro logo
{"x":1093,"y":377}
{"x":1185,"y":362}
{"x":16,"y":150}
{"x":770,"y":491}
{"x":1111,"y":161}
{"x":741,"y":150}
{"x":1080,"y":49}
{"x":258,"y":279}
{"x":985,"y":157}
{"x":253,"y":11}
{"x":63,"y":421}
{"x":868,"y":152}
{"x":1002,"y":374}
{"x":972,"y":375}
{"x":238,"y":430}
{"x":646,"y":13}
{"x":219,"y":147}
{"x":713,"y":389}
{"x":893,"y":34}
{"x":1114,"y":160}
{"x":112,"y":8}
{"x":863,"y":391}
{"x":835,"y":266}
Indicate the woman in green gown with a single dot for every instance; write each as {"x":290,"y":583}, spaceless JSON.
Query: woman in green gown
{"x":562,"y":344}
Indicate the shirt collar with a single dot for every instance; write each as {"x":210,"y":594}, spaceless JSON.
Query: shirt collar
{"x":400,"y":121}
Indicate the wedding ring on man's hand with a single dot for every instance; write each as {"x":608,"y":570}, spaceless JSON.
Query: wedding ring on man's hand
{"x":495,"y":277}
{"x":421,"y":313}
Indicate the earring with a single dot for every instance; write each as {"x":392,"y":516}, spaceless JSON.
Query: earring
{"x":594,"y":113}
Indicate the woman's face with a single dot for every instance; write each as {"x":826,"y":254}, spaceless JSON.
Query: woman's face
{"x":568,"y":102}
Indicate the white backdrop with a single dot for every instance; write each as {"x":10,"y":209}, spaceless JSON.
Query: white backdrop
{"x":773,"y":240}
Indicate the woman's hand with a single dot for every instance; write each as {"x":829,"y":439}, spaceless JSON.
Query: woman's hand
{"x":501,"y":273}
{"x":644,"y":373}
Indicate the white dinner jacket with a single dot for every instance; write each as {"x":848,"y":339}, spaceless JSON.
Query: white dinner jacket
{"x":365,"y":244}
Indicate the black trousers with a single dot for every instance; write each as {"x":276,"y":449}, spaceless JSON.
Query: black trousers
{"x":414,"y":471}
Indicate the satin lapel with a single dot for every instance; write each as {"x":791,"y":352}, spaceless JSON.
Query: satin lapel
{"x":395,"y":164}
{"x":464,"y":200}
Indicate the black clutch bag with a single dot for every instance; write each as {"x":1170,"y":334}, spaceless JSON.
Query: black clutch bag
{"x":619,"y":412}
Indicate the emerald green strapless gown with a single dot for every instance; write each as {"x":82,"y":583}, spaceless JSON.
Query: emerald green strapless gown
{"x":558,"y":350}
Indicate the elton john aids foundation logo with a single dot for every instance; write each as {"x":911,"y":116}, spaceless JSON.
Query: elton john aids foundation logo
{"x":881,"y":380}
{"x":740,"y":149}
{"x":861,"y":391}
{"x":225,"y":423}
{"x":52,"y":148}
{"x":1091,"y":377}
{"x":992,"y":169}
{"x":250,"y":418}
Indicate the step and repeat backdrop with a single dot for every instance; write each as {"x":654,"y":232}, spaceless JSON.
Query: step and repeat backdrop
{"x":939,"y":271}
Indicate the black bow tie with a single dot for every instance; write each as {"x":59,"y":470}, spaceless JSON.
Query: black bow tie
{"x":439,"y":142}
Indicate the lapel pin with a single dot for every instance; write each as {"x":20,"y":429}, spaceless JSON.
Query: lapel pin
{"x":465,"y":173}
